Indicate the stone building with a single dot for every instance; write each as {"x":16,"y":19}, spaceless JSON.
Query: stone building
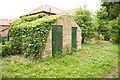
{"x":64,"y":35}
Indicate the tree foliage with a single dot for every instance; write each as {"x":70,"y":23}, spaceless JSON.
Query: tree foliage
{"x":102,"y":20}
{"x":115,"y":29}
{"x":113,"y":9}
{"x":84,"y":20}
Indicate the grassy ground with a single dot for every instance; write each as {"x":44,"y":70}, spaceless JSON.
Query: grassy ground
{"x":92,"y":61}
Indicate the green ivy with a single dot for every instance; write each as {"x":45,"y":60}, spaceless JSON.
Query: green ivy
{"x":29,"y":34}
{"x":25,"y":19}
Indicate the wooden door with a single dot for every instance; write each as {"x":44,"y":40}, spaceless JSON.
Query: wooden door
{"x":74,"y":35}
{"x":56,"y":39}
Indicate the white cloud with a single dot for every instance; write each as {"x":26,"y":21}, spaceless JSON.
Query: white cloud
{"x":15,"y":8}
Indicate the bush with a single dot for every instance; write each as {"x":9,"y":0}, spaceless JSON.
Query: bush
{"x":6,"y":48}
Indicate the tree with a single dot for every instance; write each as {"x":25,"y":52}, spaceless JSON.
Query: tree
{"x":102,"y":20}
{"x":83,"y":18}
{"x":113,"y":9}
{"x":115,"y":29}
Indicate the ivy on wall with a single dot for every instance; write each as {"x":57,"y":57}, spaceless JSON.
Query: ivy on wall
{"x":29,"y":34}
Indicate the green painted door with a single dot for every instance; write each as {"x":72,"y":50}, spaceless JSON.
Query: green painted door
{"x":56,"y":39}
{"x":74,"y":35}
{"x":8,"y":36}
{"x":0,"y":38}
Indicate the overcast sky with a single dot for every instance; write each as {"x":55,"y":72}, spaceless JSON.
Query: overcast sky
{"x":14,"y":8}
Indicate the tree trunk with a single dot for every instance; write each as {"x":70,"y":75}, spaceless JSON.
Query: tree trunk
{"x":83,"y":39}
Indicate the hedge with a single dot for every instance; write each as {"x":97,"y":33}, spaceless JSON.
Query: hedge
{"x":29,"y":35}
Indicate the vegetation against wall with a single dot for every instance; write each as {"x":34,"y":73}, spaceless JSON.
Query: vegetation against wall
{"x":29,"y":34}
{"x":6,"y":49}
{"x":25,"y":19}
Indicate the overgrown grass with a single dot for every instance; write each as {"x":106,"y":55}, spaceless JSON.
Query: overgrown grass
{"x":91,"y":61}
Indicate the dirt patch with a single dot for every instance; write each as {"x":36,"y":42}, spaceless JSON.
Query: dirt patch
{"x":113,"y":74}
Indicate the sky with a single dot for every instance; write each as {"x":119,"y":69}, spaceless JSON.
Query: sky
{"x":14,"y":8}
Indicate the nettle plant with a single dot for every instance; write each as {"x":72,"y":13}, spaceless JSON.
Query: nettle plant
{"x":29,"y":34}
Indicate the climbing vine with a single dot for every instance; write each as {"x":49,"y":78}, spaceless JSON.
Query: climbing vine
{"x":29,"y":34}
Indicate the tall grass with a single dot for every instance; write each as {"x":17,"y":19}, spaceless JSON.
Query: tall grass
{"x":91,"y":61}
